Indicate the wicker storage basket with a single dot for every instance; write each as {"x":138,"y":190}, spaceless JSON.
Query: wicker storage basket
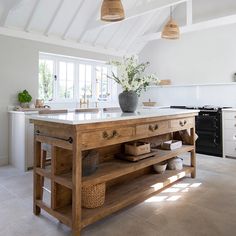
{"x":94,"y":195}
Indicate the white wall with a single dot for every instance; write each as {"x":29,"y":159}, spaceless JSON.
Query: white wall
{"x":18,"y":71}
{"x":217,"y":95}
{"x":203,"y":57}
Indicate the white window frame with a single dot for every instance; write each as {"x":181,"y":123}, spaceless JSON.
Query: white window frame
{"x":77,"y":61}
{"x":57,"y":98}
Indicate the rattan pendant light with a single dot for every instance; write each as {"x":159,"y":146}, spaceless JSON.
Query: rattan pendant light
{"x":171,"y":29}
{"x":112,"y":10}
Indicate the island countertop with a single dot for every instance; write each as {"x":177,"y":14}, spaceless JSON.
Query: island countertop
{"x":73,"y":118}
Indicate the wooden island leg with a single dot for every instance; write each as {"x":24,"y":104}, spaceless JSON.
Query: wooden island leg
{"x":76,"y":187}
{"x":37,"y":190}
{"x":193,"y":153}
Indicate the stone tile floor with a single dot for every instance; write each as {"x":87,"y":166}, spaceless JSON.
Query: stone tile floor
{"x":203,"y":206}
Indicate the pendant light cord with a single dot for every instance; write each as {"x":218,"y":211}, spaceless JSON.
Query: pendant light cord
{"x":170,"y":12}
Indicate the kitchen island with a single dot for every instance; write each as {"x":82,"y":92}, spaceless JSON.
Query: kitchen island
{"x":74,"y":134}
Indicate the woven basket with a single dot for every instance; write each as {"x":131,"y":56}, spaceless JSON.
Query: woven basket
{"x":94,"y":195}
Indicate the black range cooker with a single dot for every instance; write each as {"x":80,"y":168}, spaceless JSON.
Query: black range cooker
{"x":208,"y":129}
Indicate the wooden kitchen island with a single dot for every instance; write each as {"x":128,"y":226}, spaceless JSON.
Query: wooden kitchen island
{"x":73,"y":134}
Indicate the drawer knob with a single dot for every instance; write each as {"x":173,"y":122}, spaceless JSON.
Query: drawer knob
{"x":181,"y":123}
{"x":111,"y":136}
{"x":153,"y":127}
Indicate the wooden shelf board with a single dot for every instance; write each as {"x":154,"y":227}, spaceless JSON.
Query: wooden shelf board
{"x":125,"y":194}
{"x":44,"y":172}
{"x":116,"y":168}
{"x":119,"y":196}
{"x":64,"y":214}
{"x":64,"y":179}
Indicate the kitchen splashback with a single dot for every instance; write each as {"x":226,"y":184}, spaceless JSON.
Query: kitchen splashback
{"x":197,"y":95}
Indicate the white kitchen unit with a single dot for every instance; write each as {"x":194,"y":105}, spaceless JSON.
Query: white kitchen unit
{"x":21,"y":140}
{"x":229,"y":132}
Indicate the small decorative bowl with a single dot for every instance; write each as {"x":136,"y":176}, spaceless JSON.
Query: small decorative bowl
{"x":160,"y":168}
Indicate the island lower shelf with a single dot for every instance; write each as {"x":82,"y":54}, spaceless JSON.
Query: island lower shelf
{"x":120,"y":196}
{"x":115,"y":168}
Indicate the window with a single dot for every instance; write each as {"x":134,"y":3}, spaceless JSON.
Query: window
{"x":66,"y":80}
{"x":71,"y":79}
{"x":46,"y":77}
{"x":85,"y":81}
{"x":102,"y":85}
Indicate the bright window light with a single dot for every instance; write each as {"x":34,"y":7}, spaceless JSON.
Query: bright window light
{"x":174,"y":198}
{"x":195,"y":185}
{"x":181,"y":185}
{"x":156,"y":199}
{"x":171,"y":190}
{"x":157,"y":186}
{"x":173,"y":178}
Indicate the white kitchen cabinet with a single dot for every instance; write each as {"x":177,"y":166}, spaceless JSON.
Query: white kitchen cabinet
{"x":229,"y":133}
{"x":21,"y":140}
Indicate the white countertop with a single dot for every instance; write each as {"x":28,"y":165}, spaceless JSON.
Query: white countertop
{"x":86,"y":118}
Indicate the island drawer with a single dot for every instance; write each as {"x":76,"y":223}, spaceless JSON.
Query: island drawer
{"x":184,"y":123}
{"x":107,"y":137}
{"x":152,"y":128}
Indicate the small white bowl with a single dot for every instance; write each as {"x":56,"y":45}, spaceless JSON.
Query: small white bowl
{"x":160,"y":168}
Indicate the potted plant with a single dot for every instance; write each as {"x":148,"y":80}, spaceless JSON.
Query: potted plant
{"x":132,"y":80}
{"x":24,"y":98}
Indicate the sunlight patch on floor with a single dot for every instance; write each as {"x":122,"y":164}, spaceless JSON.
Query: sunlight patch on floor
{"x":180,"y":188}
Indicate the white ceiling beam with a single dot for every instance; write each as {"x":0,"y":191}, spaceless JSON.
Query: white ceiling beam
{"x":91,"y":17}
{"x":4,"y":16}
{"x":138,"y":11}
{"x":161,"y":17}
{"x":94,"y":43}
{"x":128,"y":41}
{"x":226,"y":20}
{"x":189,"y":12}
{"x":46,"y":32}
{"x":27,"y":26}
{"x":73,"y":19}
{"x":59,"y":42}
{"x":7,"y":6}
{"x":131,"y":27}
{"x":110,"y":40}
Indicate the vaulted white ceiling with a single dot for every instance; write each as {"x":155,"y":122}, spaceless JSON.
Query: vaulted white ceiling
{"x":76,"y":23}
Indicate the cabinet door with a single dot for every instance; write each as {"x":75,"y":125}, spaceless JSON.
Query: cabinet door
{"x":29,"y":143}
{"x":230,"y":124}
{"x":230,"y":134}
{"x":230,"y":115}
{"x":17,"y":140}
{"x":230,"y":148}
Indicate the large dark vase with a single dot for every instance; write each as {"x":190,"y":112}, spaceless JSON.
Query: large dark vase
{"x":128,"y":101}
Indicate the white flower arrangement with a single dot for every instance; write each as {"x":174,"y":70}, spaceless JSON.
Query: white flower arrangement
{"x":131,"y":75}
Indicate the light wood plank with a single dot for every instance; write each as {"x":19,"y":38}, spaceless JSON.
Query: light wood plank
{"x":116,"y":168}
{"x":128,"y":193}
